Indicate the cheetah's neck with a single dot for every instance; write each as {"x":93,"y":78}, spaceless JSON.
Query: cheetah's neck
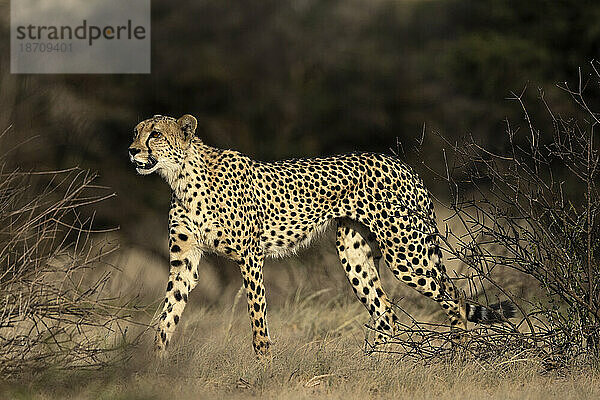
{"x":191,"y":165}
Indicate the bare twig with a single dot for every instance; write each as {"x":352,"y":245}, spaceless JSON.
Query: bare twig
{"x":53,"y":310}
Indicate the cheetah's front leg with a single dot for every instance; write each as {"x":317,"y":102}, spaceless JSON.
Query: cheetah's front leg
{"x":183,"y":277}
{"x":251,"y":267}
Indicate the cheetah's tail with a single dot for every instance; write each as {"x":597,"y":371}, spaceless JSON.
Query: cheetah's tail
{"x":494,"y":313}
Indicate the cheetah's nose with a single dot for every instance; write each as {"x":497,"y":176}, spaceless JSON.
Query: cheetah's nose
{"x":133,"y":151}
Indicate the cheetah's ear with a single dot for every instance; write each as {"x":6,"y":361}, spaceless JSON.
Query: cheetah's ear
{"x":188,"y":125}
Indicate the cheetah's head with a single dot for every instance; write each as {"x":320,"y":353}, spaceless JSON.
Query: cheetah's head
{"x":160,"y":143}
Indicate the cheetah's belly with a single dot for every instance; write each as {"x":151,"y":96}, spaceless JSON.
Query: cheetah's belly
{"x":283,"y":240}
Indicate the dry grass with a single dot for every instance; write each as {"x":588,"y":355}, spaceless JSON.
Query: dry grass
{"x":318,"y":353}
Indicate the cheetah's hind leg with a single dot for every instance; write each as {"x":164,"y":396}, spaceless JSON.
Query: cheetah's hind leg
{"x":359,"y":254}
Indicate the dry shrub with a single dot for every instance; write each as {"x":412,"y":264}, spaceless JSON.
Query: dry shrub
{"x":54,"y":311}
{"x":531,"y":207}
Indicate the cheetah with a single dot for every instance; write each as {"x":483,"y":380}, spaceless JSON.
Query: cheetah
{"x":226,"y":203}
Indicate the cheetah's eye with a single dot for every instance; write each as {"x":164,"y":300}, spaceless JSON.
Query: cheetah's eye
{"x":155,"y":134}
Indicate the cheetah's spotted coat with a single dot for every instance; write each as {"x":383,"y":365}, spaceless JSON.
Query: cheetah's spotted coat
{"x":225,"y":202}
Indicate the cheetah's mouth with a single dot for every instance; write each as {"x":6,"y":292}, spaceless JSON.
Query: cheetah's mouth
{"x":147,"y":167}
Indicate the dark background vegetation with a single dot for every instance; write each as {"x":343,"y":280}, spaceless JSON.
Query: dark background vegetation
{"x":277,"y":79}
